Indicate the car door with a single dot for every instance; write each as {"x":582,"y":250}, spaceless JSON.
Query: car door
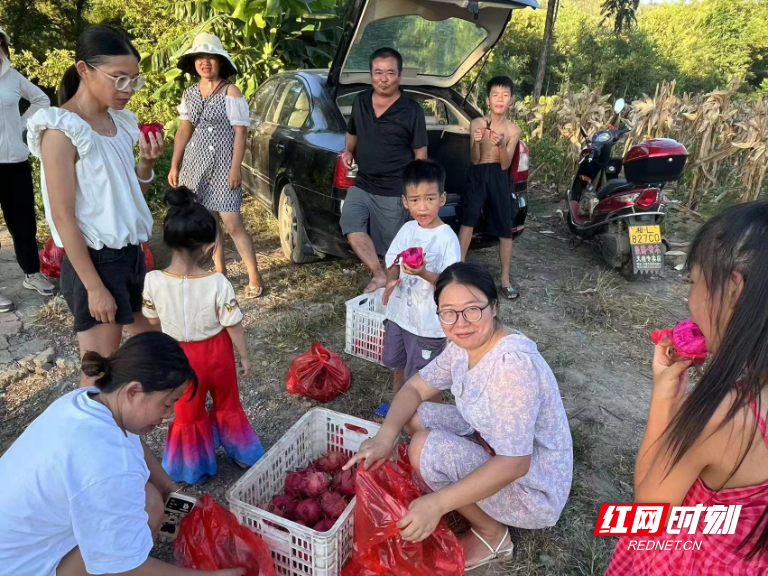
{"x":255,"y":168}
{"x":440,"y":40}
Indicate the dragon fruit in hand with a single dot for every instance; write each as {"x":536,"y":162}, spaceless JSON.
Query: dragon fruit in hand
{"x":688,"y":342}
{"x":412,"y":257}
{"x":151,"y":128}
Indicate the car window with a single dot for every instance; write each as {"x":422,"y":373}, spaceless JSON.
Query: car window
{"x":436,"y":113}
{"x":432,"y":47}
{"x":295,"y":105}
{"x":277,"y":103}
{"x":261,"y":100}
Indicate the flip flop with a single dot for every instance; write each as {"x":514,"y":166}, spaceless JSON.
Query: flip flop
{"x":381,"y":411}
{"x":510,"y":292}
{"x":252,"y":292}
{"x":496,"y":553}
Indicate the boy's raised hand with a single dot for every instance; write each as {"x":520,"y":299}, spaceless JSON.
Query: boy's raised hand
{"x":478,"y":134}
{"x":415,"y":271}
{"x":497,"y":138}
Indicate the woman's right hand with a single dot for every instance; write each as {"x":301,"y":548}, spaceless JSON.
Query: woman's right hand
{"x":102,"y":305}
{"x":670,"y":377}
{"x":173,"y":177}
{"x":373,"y":453}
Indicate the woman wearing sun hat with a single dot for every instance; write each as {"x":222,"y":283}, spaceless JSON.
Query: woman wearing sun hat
{"x":210,"y":144}
{"x":17,"y":195}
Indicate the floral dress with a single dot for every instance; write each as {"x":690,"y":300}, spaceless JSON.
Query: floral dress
{"x":511,"y":399}
{"x":208,"y":155}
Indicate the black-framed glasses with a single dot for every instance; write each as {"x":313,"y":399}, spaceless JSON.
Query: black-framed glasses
{"x":122,"y":83}
{"x":472,"y":314}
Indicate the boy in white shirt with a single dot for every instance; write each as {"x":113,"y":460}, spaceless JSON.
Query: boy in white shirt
{"x":414,"y":335}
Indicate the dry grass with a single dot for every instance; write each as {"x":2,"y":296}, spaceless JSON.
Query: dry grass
{"x":724,"y":136}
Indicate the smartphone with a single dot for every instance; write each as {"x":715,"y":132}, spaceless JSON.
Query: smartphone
{"x":176,"y":509}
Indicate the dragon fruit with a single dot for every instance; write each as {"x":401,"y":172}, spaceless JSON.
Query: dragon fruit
{"x":332,"y":504}
{"x":324,"y":525}
{"x":688,"y":341}
{"x":331,"y":462}
{"x":344,"y":482}
{"x":412,"y":257}
{"x":308,"y":512}
{"x":315,"y":484}
{"x":151,"y":128}
{"x":283,"y":506}
{"x":294,"y":482}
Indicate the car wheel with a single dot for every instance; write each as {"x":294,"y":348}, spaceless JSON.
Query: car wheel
{"x":293,"y":238}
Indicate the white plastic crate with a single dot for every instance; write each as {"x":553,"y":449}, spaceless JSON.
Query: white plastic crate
{"x":365,"y":327}
{"x":298,"y":550}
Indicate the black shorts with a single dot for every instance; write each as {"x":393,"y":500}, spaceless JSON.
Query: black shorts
{"x":490,"y":188}
{"x":122,"y":272}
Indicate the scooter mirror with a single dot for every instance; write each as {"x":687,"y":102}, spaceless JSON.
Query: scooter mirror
{"x":619,"y":105}
{"x":583,"y":132}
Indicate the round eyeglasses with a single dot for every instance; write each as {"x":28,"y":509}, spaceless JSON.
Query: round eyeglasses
{"x":472,"y":314}
{"x":122,"y":83}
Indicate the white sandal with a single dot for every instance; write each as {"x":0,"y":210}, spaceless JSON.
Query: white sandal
{"x":496,"y":553}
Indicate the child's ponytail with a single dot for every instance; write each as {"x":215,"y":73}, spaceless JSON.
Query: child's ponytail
{"x":188,"y":225}
{"x":153,"y":359}
{"x":68,"y":86}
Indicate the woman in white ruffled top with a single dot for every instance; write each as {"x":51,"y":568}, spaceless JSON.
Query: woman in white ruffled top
{"x":209,"y":147}
{"x":93,"y":188}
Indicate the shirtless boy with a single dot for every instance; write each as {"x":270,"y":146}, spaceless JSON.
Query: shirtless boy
{"x":492,"y":147}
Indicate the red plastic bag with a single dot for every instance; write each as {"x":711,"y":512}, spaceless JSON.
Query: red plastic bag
{"x":51,"y":257}
{"x":149,"y":258}
{"x":383,"y":497}
{"x":211,"y":538}
{"x":319,"y":373}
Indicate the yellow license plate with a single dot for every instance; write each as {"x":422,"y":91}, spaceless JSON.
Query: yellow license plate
{"x":645,"y":235}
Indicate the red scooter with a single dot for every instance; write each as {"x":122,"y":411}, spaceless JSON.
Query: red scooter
{"x":623,"y":215}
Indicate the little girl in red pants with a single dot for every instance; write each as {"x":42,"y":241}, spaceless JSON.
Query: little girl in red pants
{"x":199,"y":309}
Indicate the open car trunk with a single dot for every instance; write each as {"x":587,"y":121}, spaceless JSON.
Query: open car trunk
{"x":440,"y":40}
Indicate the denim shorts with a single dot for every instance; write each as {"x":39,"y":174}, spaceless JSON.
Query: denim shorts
{"x":121,"y":270}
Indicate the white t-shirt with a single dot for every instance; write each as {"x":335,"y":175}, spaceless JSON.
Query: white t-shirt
{"x":110,"y":208}
{"x":191,"y":308}
{"x":73,"y":479}
{"x":412,"y":304}
{"x":14,"y":87}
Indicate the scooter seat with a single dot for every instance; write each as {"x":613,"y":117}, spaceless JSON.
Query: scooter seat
{"x":611,"y":187}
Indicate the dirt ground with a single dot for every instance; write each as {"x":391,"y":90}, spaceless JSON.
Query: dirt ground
{"x":589,"y":323}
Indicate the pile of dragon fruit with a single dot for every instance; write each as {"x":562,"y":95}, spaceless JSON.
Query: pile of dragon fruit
{"x":317,"y":495}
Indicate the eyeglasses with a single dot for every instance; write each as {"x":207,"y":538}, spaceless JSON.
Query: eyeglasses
{"x":472,"y":314}
{"x":122,"y":83}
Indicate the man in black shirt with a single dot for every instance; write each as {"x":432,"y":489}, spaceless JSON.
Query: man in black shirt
{"x":386,"y":131}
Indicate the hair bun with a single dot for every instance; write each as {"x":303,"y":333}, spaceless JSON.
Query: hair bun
{"x":94,"y":365}
{"x":181,"y":197}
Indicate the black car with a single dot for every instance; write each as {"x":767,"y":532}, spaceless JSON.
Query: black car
{"x":292,"y":160}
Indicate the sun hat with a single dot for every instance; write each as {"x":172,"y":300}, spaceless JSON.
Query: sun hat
{"x":5,"y":37}
{"x":205,"y":43}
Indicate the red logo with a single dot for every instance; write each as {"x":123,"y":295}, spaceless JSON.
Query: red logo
{"x":631,"y":519}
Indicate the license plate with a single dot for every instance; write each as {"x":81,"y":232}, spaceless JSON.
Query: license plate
{"x":644,"y":235}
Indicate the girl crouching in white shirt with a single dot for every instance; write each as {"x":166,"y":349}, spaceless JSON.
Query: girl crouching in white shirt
{"x":81,"y":494}
{"x":93,"y":189}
